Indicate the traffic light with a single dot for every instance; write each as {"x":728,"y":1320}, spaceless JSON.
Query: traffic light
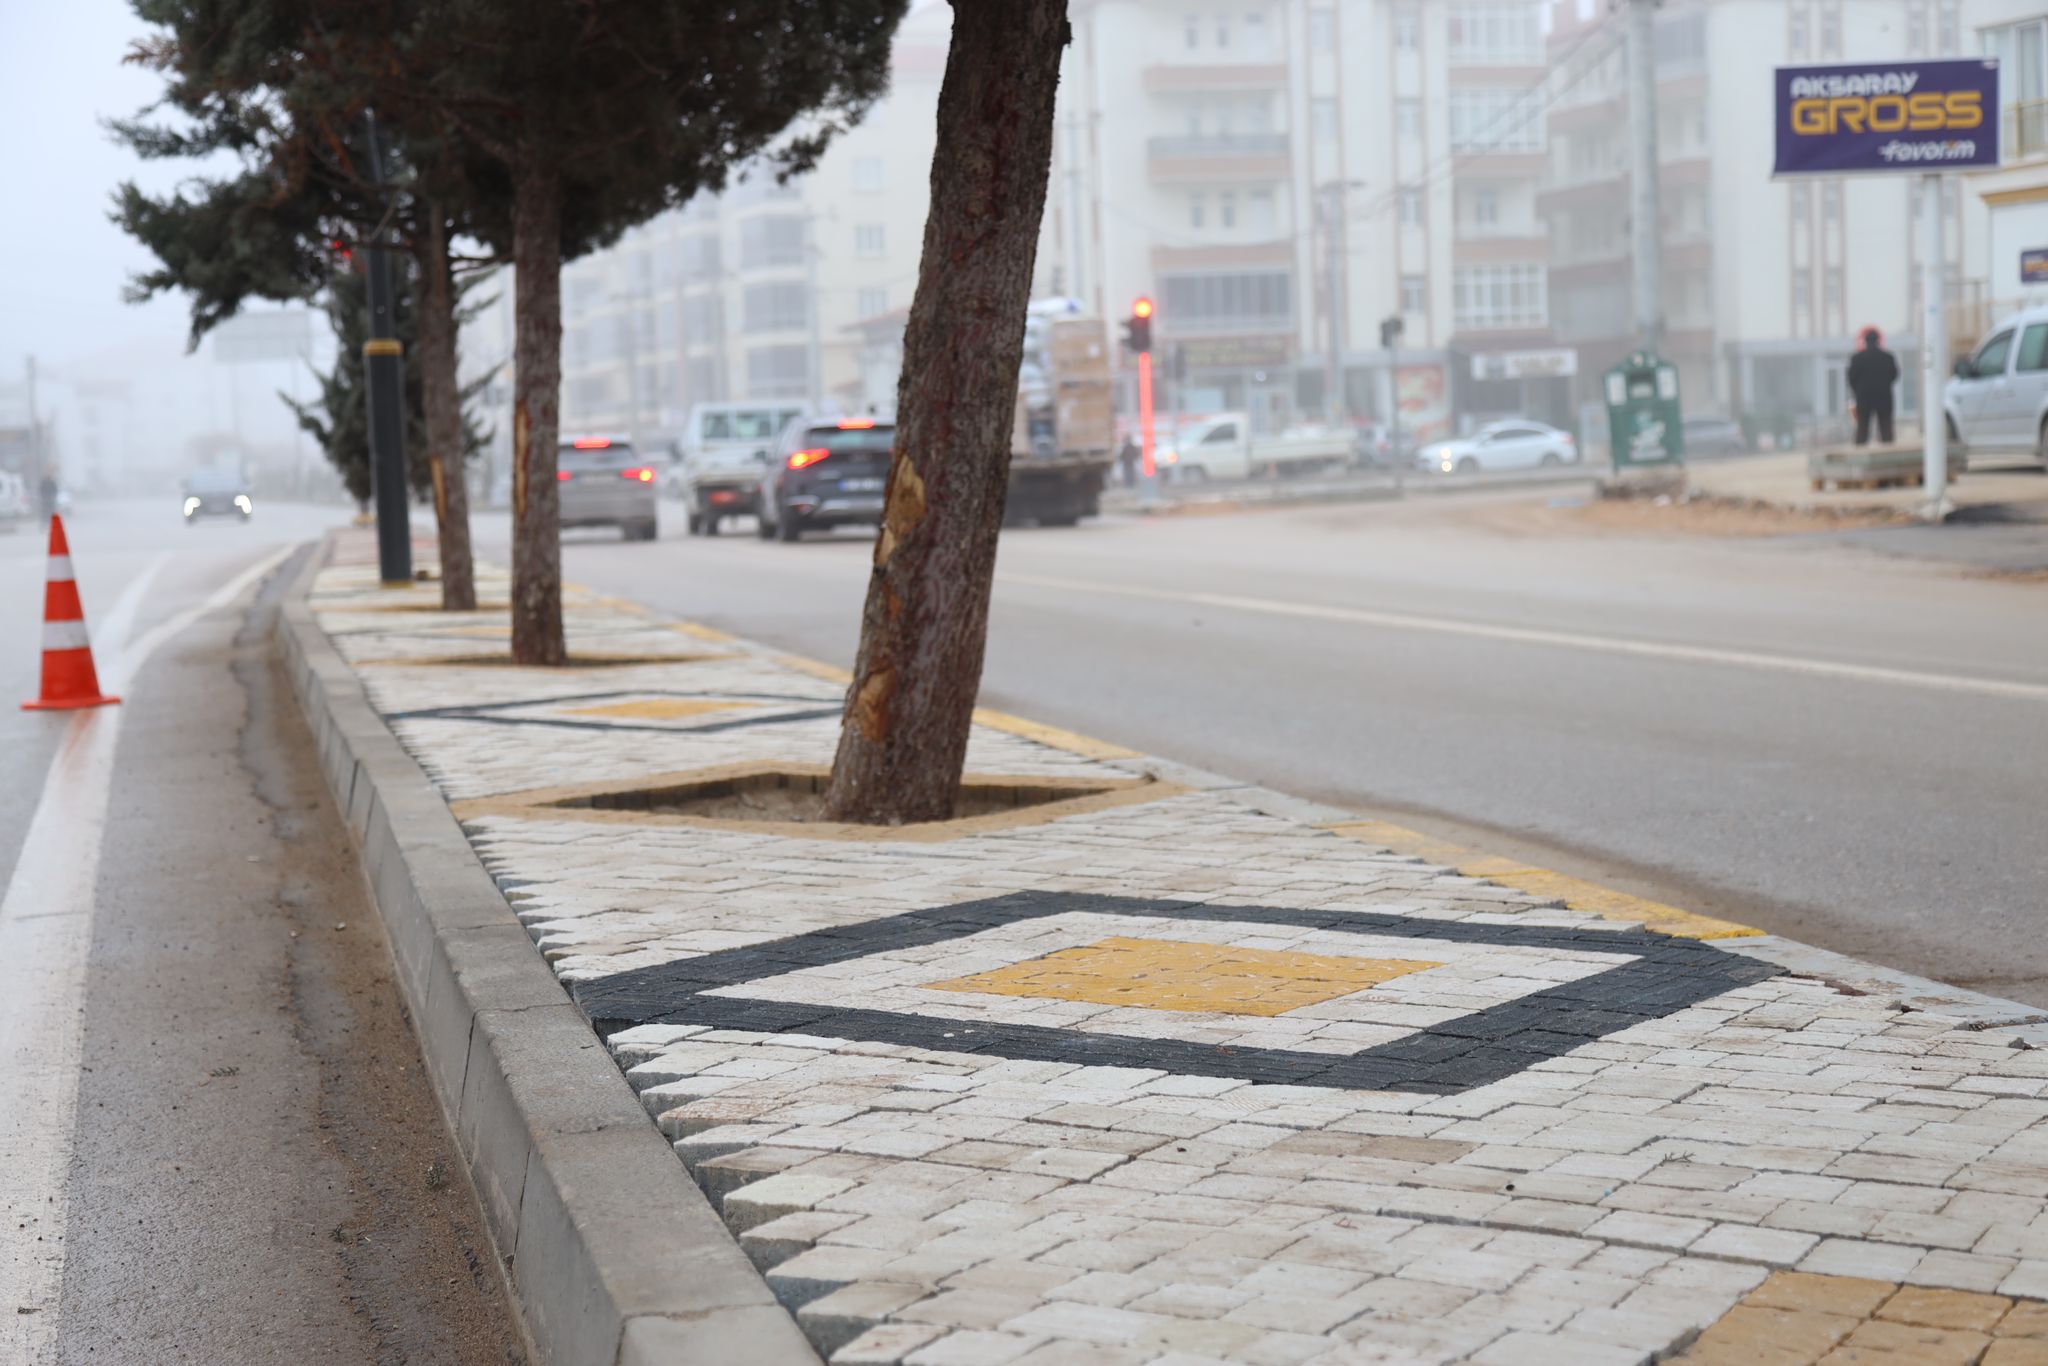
{"x":1390,"y":330}
{"x":1138,"y":327}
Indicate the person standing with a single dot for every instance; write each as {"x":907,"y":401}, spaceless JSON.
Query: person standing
{"x":1872,"y":373}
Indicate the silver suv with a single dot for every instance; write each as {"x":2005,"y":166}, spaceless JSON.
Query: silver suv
{"x":1998,"y":400}
{"x":604,"y":482}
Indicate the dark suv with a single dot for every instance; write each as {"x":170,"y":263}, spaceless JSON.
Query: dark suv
{"x":826,"y":474}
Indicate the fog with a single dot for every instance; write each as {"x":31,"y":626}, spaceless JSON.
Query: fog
{"x":122,"y":404}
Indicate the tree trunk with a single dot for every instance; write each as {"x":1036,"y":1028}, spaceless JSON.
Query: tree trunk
{"x":903,"y":740}
{"x":442,"y":393}
{"x":536,"y":409}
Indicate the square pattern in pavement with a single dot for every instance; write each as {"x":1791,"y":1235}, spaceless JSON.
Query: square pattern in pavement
{"x":1185,"y":1081}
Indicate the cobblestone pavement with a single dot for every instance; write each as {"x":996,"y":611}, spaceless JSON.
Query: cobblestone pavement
{"x":1174,"y":1075}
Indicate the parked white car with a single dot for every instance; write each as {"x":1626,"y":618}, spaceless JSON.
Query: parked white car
{"x":1998,"y":400}
{"x":1510,"y":445}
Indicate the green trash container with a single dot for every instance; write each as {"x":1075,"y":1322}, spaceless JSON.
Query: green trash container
{"x":1644,"y":426}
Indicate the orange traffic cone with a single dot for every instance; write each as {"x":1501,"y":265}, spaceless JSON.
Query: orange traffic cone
{"x":69,"y":679}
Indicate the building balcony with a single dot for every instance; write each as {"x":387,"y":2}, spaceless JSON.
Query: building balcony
{"x":2026,"y":131}
{"x":1165,"y":78}
{"x":1221,"y":256}
{"x":1240,"y":157}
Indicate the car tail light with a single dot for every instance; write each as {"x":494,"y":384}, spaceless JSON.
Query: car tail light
{"x":563,"y":476}
{"x":592,"y":443}
{"x":856,"y":424}
{"x":802,"y":460}
{"x":644,"y":474}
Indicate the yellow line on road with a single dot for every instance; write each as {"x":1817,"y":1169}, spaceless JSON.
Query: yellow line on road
{"x":1547,"y":883}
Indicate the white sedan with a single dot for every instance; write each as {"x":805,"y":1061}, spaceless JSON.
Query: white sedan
{"x":1512,"y":445}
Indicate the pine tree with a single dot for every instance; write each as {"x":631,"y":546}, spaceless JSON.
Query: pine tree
{"x":280,"y":87}
{"x":600,"y":114}
{"x":339,"y":417}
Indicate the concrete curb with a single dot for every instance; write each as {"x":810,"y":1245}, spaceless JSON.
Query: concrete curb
{"x":614,"y":1257}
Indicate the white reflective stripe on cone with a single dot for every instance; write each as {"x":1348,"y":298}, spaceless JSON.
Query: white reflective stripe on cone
{"x":60,"y":569}
{"x":65,"y":635}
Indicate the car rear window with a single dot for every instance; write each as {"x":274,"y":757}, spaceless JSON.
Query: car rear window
{"x":213,"y":481}
{"x":851,"y":440}
{"x":596,"y":457}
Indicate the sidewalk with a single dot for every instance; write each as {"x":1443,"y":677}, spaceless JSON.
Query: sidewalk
{"x":2012,"y":486}
{"x":1141,"y":1065}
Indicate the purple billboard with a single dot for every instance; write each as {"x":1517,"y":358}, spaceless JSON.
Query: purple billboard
{"x":1887,"y":116}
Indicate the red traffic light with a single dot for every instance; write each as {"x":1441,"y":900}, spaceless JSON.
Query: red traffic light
{"x":1142,"y":308}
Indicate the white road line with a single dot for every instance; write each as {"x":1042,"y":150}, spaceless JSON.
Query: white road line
{"x":1570,"y":640}
{"x":45,"y":934}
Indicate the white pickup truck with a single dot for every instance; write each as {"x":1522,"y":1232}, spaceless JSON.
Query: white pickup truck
{"x":1222,"y":447}
{"x":723,"y":452}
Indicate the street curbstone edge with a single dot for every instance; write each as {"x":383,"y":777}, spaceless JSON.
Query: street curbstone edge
{"x":612,"y":1255}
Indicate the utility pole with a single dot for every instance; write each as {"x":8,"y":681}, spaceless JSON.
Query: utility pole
{"x":382,"y":358}
{"x":1333,"y":266}
{"x":1645,"y":209}
{"x":1933,"y":346}
{"x":35,"y":429}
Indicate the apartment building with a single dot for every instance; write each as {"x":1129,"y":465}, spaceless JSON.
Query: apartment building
{"x":1766,"y":283}
{"x":1282,"y":175}
{"x":2015,"y":196}
{"x":757,"y":292}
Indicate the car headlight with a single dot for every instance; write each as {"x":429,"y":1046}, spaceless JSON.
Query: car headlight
{"x":242,"y":502}
{"x":191,"y":506}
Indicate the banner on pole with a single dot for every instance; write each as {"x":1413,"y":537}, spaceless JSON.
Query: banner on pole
{"x":1887,"y":116}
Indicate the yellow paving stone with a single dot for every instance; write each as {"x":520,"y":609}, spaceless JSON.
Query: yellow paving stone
{"x":2027,"y":1319}
{"x":1830,"y":1294}
{"x":2016,"y":1352}
{"x":1895,"y":1344}
{"x":1166,"y":974}
{"x":660,"y":708}
{"x":1935,"y":1308}
{"x":1750,"y":1336}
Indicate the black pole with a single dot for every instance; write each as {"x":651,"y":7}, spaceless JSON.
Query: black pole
{"x":382,"y":358}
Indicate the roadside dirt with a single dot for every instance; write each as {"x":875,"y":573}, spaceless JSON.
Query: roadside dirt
{"x":1577,"y":515}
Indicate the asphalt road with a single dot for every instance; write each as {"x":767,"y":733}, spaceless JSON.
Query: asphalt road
{"x":1834,"y":744}
{"x":217,"y":1142}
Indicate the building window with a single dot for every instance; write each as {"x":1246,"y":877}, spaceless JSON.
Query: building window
{"x":1407,"y":28}
{"x":771,"y":241}
{"x":1410,"y":200}
{"x":1250,"y":301}
{"x":774,"y":308}
{"x":1259,"y":210}
{"x":1494,"y":296}
{"x":1322,"y":30}
{"x":1831,"y":201}
{"x":1948,"y":27}
{"x":1222,"y":30}
{"x":867,"y":175}
{"x":1801,"y":193}
{"x":1322,"y":113}
{"x":778,"y":371}
{"x":1802,"y":287}
{"x":873,"y":302}
{"x":1198,"y":209}
{"x":703,"y":318}
{"x":1255,"y":34}
{"x":868,"y":239}
{"x":1408,"y":118}
{"x":1796,"y":39}
{"x":1494,"y":33}
{"x":1226,"y":208}
{"x":1414,"y":294}
{"x":1495,"y":120}
{"x":1194,"y":32}
{"x":700,"y":254}
{"x":1485,"y":207}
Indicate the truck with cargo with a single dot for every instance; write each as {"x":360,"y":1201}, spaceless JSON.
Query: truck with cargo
{"x":1063,"y":441}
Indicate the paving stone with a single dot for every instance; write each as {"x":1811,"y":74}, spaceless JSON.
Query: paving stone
{"x":1750,"y":1335}
{"x":1877,"y":1338}
{"x":926,"y":1067}
{"x":1932,"y":1308}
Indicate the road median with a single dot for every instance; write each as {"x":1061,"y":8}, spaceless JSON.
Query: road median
{"x":1131,"y":1063}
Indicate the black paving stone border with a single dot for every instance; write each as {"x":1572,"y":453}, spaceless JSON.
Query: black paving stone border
{"x":492,"y":713}
{"x":1663,"y":976}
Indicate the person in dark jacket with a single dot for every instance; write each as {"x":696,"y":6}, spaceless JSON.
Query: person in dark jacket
{"x":1872,"y":373}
